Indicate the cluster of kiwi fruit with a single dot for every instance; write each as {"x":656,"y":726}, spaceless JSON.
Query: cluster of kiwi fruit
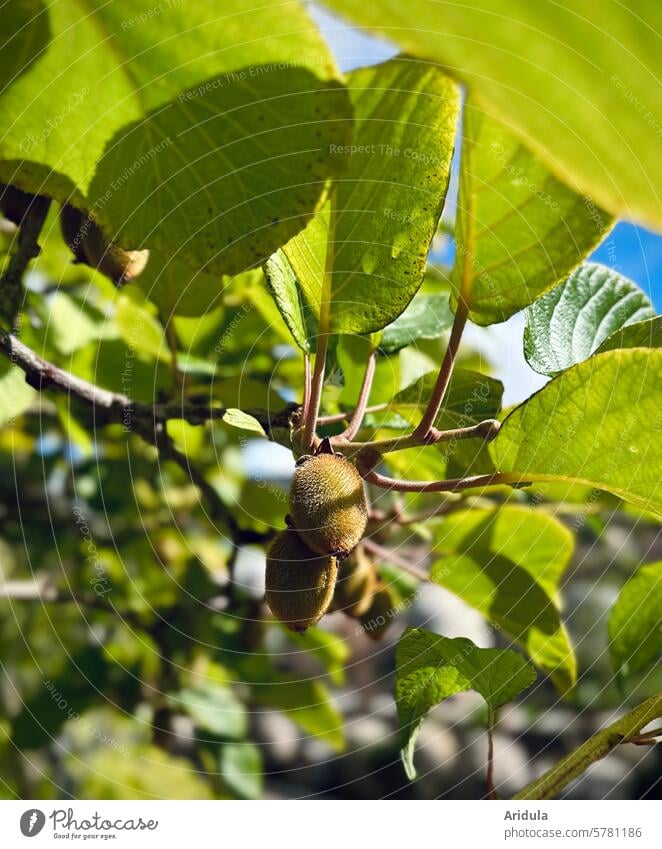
{"x":83,"y":237}
{"x":317,"y":564}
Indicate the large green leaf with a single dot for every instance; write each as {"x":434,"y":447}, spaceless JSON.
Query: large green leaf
{"x":430,"y":669}
{"x":576,"y":80}
{"x":643,"y":334}
{"x":519,"y":230}
{"x":566,"y":325}
{"x":174,"y":129}
{"x":508,"y":563}
{"x":597,"y":423}
{"x":635,"y":621}
{"x":388,"y":201}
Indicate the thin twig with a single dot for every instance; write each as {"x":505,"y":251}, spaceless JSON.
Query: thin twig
{"x":306,"y":387}
{"x":310,"y":421}
{"x":394,"y":558}
{"x":171,"y":339}
{"x":27,"y":249}
{"x":491,"y":792}
{"x":359,"y":413}
{"x":445,"y":372}
{"x":115,"y":406}
{"x":486,"y":429}
{"x":334,"y":418}
{"x":451,"y":485}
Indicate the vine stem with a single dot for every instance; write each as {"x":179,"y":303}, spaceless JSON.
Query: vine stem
{"x":487,"y":430}
{"x":358,"y":415}
{"x":306,"y":387}
{"x":27,"y":249}
{"x":393,"y":557}
{"x":445,"y":372}
{"x":171,"y":339}
{"x":491,"y":792}
{"x":625,"y":730}
{"x":334,"y":418}
{"x":310,"y":420}
{"x":450,"y":485}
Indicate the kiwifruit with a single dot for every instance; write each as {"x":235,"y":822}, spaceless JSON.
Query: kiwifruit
{"x":89,"y":245}
{"x":299,"y":583}
{"x":378,"y":617}
{"x":15,"y":203}
{"x":355,"y":587}
{"x":327,"y":504}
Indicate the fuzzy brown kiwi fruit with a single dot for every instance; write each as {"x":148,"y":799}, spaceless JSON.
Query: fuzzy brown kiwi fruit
{"x":378,"y":617}
{"x":327,"y":504}
{"x":89,"y":245}
{"x":356,"y":584}
{"x":299,"y":583}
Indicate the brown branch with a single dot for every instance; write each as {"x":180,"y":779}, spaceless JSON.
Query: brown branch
{"x":445,"y":372}
{"x":27,"y":249}
{"x":486,"y":430}
{"x":451,"y":485}
{"x":359,"y":413}
{"x":115,"y":406}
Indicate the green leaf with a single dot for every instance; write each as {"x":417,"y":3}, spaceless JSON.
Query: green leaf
{"x":15,"y":395}
{"x":243,"y":421}
{"x":426,"y":317}
{"x":585,"y":99}
{"x":635,"y":621}
{"x":472,"y":397}
{"x":519,"y":230}
{"x":643,"y":334}
{"x":177,"y":133}
{"x":178,"y":290}
{"x":566,"y":325}
{"x":282,"y":283}
{"x":306,"y":702}
{"x":241,"y":769}
{"x":388,"y":201}
{"x":214,"y":708}
{"x":507,"y":563}
{"x":430,"y":669}
{"x":596,"y":423}
{"x":596,"y":747}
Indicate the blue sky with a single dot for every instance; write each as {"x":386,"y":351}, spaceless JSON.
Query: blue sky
{"x":636,"y":253}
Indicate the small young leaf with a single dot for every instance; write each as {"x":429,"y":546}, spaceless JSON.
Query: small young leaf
{"x":282,"y":283}
{"x":430,"y":669}
{"x":596,"y":423}
{"x":243,"y":421}
{"x":635,"y":621}
{"x":566,"y":325}
{"x":507,"y":563}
